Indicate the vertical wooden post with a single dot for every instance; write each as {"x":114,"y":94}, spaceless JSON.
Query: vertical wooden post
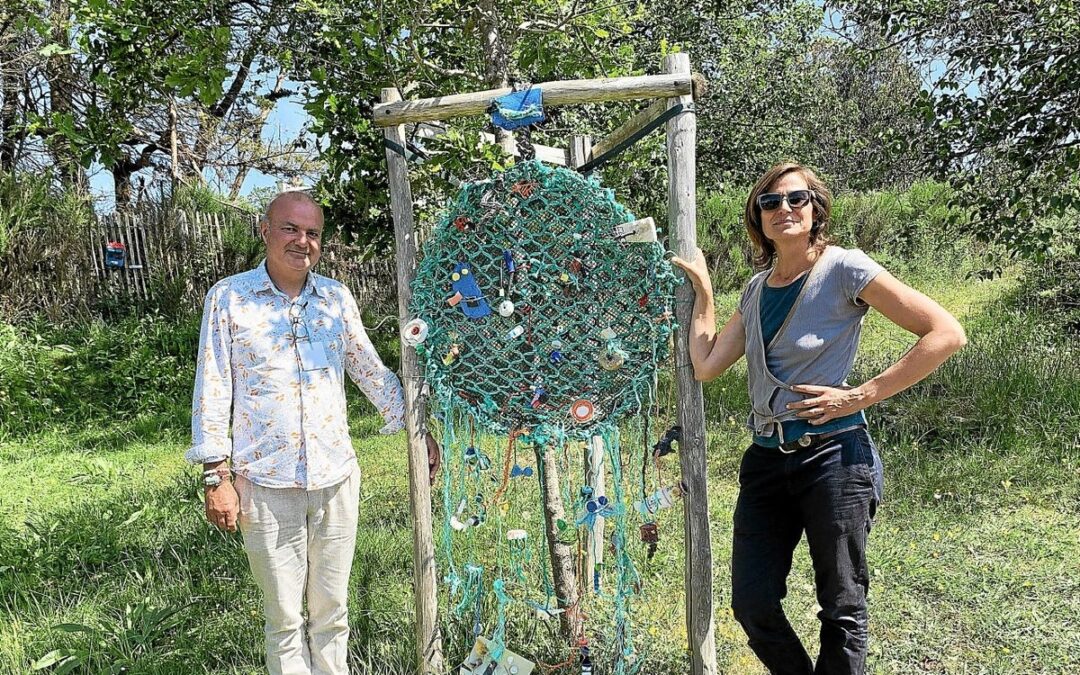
{"x":682,"y":213}
{"x":580,"y":150}
{"x":428,"y":639}
{"x":594,"y":545}
{"x":580,"y":153}
{"x":562,"y":559}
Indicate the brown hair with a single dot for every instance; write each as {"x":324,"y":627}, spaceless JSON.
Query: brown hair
{"x":764,"y":250}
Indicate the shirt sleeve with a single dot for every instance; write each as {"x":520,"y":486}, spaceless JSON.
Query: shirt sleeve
{"x":211,"y":404}
{"x":366,"y":369}
{"x":859,"y":270}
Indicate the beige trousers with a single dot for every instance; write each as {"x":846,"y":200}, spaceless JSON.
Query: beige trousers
{"x":300,"y":545}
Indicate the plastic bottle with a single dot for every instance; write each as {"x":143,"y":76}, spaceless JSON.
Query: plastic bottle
{"x":659,"y":500}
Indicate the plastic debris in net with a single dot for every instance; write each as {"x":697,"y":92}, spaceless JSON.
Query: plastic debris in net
{"x":539,"y":324}
{"x":518,"y":109}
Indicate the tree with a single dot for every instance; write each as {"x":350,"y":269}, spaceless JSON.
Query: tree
{"x":183,"y":88}
{"x":782,"y":88}
{"x":1002,"y":105}
{"x":428,"y":49}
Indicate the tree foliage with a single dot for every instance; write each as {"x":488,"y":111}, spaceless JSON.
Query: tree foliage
{"x":182,"y":87}
{"x":779,"y":88}
{"x":435,"y":48}
{"x":1002,"y":106}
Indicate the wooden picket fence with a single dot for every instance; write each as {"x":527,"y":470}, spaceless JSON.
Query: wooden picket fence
{"x":172,"y":258}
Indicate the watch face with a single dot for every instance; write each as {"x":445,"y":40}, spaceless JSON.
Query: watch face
{"x":210,"y":481}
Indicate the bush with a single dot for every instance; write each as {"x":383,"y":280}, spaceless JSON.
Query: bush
{"x":722,"y":237}
{"x":135,"y":368}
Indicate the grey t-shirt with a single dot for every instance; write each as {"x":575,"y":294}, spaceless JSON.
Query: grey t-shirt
{"x":817,"y":342}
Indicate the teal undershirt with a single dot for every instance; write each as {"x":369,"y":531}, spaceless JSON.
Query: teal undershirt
{"x":776,"y":304}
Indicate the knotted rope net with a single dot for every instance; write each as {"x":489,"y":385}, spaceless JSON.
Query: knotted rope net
{"x":541,"y":311}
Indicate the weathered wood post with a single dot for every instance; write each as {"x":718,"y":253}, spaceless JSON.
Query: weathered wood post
{"x":682,"y":212}
{"x":581,"y":151}
{"x":429,"y":641}
{"x":562,"y":559}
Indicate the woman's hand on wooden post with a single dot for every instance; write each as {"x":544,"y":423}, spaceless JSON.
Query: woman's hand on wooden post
{"x":697,"y":270}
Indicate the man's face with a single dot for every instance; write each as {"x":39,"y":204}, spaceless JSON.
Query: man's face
{"x":293,"y":235}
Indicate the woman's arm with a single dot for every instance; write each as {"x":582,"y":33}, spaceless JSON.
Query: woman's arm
{"x":711,"y":353}
{"x":940,"y":335}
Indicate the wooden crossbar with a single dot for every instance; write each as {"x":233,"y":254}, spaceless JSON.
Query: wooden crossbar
{"x":567,"y":92}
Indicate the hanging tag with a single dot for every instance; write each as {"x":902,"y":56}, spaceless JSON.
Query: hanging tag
{"x":312,"y":355}
{"x":638,"y":231}
{"x":481,"y":663}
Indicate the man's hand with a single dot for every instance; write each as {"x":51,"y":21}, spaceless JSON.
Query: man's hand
{"x":223,"y":506}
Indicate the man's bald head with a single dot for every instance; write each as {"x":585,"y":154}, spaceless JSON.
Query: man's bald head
{"x":285,"y":199}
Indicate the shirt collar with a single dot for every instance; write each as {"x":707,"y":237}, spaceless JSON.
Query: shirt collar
{"x":263,"y":283}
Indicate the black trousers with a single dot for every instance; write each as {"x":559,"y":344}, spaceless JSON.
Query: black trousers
{"x":830,"y":491}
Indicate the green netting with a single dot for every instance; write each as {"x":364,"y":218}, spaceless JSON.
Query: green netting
{"x":576,"y":353}
{"x":573,"y":279}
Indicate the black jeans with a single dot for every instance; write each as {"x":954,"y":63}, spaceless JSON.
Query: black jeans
{"x":830,"y":490}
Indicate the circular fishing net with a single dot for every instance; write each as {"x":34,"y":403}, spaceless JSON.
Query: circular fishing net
{"x":540,"y":311}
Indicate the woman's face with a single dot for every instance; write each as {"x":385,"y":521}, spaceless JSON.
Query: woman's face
{"x":785,"y":223}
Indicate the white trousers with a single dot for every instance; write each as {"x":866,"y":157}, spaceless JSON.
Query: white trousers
{"x":300,"y":545}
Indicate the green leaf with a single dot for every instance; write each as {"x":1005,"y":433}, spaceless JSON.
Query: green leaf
{"x":53,"y":657}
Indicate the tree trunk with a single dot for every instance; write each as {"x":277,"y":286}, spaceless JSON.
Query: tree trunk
{"x":495,"y":62}
{"x":121,"y":185}
{"x":562,"y":561}
{"x":61,"y":77}
{"x":10,"y":77}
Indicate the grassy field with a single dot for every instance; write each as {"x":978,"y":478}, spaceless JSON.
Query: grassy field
{"x":105,"y":558}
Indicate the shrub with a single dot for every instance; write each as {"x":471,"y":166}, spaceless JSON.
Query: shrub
{"x":722,"y":237}
{"x":136,"y":367}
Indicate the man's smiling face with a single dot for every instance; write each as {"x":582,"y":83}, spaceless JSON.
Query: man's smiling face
{"x":293,"y":234}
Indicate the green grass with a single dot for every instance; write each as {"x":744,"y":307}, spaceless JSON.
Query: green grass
{"x":973,"y":556}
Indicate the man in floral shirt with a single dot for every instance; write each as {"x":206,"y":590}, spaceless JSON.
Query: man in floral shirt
{"x":276,"y":344}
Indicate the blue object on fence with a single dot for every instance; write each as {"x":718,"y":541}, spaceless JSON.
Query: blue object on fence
{"x":115,"y":255}
{"x":518,"y":109}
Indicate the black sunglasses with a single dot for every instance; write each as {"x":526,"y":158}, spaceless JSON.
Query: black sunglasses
{"x":796,"y":199}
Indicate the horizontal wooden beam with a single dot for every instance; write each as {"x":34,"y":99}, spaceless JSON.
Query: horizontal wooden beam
{"x":631,"y":127}
{"x":566,"y":92}
{"x":544,"y":153}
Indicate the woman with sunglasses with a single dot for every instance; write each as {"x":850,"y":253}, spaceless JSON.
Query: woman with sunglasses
{"x":812,"y":466}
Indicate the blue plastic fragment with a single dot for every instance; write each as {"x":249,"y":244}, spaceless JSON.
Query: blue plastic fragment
{"x":518,"y":109}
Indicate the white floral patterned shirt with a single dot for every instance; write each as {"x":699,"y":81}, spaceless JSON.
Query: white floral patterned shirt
{"x":285,"y":406}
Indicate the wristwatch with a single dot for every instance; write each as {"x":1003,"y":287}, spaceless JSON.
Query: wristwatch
{"x":212,"y":480}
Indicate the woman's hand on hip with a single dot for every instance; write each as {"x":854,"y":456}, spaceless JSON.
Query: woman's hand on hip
{"x":828,"y":403}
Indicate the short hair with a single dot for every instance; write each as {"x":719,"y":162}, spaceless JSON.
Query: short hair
{"x":764,"y":250}
{"x":290,"y":195}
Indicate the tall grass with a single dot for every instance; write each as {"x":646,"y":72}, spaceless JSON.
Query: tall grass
{"x":106,"y":563}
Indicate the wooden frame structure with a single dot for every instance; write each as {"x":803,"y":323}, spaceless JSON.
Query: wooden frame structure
{"x":674,"y":88}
